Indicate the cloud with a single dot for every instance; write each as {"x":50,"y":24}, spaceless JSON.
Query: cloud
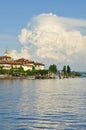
{"x":22,"y":54}
{"x":53,"y":37}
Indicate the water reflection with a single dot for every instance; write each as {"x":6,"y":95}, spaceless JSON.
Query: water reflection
{"x":43,"y":104}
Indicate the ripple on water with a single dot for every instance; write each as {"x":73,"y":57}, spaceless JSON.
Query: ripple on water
{"x":43,"y":104}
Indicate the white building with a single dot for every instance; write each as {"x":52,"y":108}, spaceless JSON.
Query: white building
{"x":6,"y":62}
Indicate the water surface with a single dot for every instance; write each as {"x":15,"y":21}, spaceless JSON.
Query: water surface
{"x":43,"y":104}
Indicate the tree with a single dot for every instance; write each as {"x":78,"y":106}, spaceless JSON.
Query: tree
{"x":19,"y":71}
{"x":68,"y":69}
{"x":53,"y":68}
{"x":64,"y":70}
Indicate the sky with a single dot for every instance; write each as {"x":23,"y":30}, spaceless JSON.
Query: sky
{"x":47,"y":31}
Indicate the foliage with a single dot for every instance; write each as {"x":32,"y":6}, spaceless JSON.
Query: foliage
{"x":36,"y":72}
{"x":53,"y":68}
{"x":68,"y":69}
{"x":64,"y":70}
{"x":4,"y":71}
{"x":75,"y":74}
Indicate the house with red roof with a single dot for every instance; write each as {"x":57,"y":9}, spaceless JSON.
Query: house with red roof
{"x":7,"y":62}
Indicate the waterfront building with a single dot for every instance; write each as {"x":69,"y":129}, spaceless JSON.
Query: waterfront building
{"x":7,"y":62}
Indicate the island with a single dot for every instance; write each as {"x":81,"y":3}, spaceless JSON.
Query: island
{"x":28,"y":69}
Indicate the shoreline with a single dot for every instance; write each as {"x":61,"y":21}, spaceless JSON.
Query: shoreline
{"x":32,"y":77}
{"x":7,"y":76}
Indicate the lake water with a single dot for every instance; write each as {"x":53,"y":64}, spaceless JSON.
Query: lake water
{"x":43,"y":104}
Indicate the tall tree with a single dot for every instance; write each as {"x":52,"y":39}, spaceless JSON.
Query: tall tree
{"x":68,"y":69}
{"x":53,"y":68}
{"x":64,"y":70}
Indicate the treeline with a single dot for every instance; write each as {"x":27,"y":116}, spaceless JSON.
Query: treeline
{"x":65,"y":72}
{"x":20,"y":72}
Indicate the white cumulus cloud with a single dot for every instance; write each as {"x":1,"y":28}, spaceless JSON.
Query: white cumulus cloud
{"x":53,"y":37}
{"x":22,"y":54}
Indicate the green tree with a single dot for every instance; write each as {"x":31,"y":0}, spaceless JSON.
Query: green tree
{"x":53,"y":68}
{"x":68,"y":69}
{"x":64,"y":70}
{"x":19,"y":71}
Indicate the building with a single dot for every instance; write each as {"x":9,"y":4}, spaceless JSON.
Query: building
{"x":7,"y":62}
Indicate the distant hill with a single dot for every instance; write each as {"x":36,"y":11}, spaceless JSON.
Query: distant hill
{"x":83,"y":74}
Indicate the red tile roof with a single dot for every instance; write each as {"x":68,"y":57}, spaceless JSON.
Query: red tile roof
{"x":21,"y":61}
{"x":37,"y":63}
{"x":2,"y":57}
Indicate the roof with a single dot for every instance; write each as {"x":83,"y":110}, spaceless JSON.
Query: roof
{"x":2,"y":57}
{"x":24,"y":61}
{"x":37,"y":63}
{"x":21,"y":61}
{"x":10,"y":62}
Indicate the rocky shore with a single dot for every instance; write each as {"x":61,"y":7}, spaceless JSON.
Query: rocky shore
{"x":7,"y":76}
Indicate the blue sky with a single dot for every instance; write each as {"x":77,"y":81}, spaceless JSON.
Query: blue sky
{"x":15,"y":15}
